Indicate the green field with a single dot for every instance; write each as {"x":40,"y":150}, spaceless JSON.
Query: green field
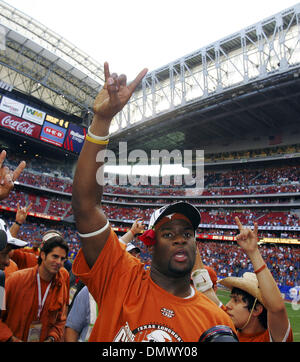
{"x":294,"y":315}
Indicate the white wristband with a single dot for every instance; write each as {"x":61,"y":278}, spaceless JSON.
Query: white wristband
{"x":97,"y":232}
{"x":201,"y":279}
{"x":98,"y":138}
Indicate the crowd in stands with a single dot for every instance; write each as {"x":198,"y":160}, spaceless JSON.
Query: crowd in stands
{"x":248,"y":217}
{"x":40,"y":204}
{"x":257,"y":153}
{"x":39,"y":164}
{"x":204,"y":201}
{"x":229,"y":260}
{"x":225,"y":258}
{"x":242,"y":181}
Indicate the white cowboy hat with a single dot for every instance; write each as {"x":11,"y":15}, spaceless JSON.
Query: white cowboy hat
{"x":248,"y":282}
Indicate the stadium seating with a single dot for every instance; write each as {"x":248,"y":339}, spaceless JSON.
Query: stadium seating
{"x":122,"y":206}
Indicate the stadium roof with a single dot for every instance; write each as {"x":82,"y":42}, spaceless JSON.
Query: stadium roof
{"x":247,"y":82}
{"x":266,"y":107}
{"x":40,"y":63}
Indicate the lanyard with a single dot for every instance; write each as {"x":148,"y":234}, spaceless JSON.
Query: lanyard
{"x":40,"y":301}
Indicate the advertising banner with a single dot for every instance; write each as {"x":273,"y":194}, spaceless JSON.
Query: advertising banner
{"x":11,"y":106}
{"x":75,"y":138}
{"x":19,"y":125}
{"x":53,"y":134}
{"x":34,"y":115}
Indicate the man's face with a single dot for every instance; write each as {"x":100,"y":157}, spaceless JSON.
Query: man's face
{"x":54,"y":260}
{"x":237,"y":310}
{"x":175,"y":250}
{"x":4,"y":257}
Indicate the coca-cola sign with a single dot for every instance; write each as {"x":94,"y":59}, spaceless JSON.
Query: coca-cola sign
{"x":19,"y":125}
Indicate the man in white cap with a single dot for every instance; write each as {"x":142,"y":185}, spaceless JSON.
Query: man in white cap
{"x":134,"y":303}
{"x":7,"y":179}
{"x":7,"y":243}
{"x":133,"y":250}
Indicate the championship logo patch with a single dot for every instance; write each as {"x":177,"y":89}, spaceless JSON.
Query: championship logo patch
{"x":147,"y":333}
{"x":167,"y":312}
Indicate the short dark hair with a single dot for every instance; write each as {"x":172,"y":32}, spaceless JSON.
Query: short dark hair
{"x":54,"y":241}
{"x":250,"y":300}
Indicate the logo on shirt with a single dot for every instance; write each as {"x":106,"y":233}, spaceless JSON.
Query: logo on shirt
{"x":147,"y":333}
{"x":167,"y":312}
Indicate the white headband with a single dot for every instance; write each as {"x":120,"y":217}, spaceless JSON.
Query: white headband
{"x":50,"y":235}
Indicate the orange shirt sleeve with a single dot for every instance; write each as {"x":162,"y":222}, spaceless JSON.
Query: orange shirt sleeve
{"x":24,"y":260}
{"x":11,"y":268}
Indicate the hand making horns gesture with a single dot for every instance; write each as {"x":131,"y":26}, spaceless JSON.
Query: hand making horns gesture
{"x":22,"y":213}
{"x":247,"y":238}
{"x":115,"y":93}
{"x":7,"y":176}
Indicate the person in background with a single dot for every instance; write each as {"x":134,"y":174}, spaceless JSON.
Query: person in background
{"x":21,"y":216}
{"x":204,"y":279}
{"x":133,"y":250}
{"x":136,"y":228}
{"x":7,"y":244}
{"x":256,"y":306}
{"x":18,"y":258}
{"x":37,"y":297}
{"x":7,"y":176}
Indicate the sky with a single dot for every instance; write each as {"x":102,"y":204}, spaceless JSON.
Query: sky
{"x":136,"y":34}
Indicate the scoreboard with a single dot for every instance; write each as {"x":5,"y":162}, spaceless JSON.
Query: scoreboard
{"x":35,"y":123}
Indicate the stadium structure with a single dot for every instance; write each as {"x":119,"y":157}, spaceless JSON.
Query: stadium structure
{"x":238,"y":100}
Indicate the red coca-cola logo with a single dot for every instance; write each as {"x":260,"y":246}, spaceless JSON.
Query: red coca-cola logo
{"x":19,"y":125}
{"x":53,"y":132}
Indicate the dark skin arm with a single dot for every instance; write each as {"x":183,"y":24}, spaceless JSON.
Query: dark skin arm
{"x":87,"y":190}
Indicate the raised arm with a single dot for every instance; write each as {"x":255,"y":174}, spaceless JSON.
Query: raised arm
{"x":202,"y":281}
{"x":7,"y":176}
{"x":273,"y":302}
{"x":87,"y":185}
{"x":136,"y":228}
{"x":21,"y":216}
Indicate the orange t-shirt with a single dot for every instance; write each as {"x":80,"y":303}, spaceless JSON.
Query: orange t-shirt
{"x":132,"y":308}
{"x":23,"y":259}
{"x":262,"y":337}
